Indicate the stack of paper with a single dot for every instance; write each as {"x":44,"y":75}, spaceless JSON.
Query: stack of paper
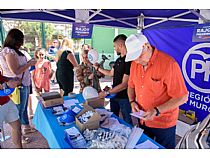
{"x":134,"y":138}
{"x":69,"y":103}
{"x":138,"y":114}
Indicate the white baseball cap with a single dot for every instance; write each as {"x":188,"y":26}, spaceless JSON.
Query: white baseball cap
{"x":134,"y":45}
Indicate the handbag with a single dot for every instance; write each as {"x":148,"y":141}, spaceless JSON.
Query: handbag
{"x":15,"y":96}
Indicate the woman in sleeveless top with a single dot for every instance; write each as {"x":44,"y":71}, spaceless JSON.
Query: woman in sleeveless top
{"x":41,"y":74}
{"x":65,"y":64}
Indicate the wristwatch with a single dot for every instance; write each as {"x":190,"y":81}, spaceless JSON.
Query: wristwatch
{"x":157,"y":111}
{"x":132,"y":101}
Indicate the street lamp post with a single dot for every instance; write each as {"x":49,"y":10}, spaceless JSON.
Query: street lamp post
{"x":43,"y":35}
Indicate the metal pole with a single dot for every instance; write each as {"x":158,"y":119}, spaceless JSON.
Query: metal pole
{"x":1,"y":32}
{"x":43,"y":35}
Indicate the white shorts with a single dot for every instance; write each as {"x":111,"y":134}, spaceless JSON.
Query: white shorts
{"x":8,"y":113}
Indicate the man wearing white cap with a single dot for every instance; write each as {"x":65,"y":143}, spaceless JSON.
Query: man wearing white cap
{"x":120,"y":73}
{"x":156,"y":86}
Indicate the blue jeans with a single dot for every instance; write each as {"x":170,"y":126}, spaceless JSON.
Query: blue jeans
{"x":23,"y":106}
{"x":122,"y":105}
{"x":164,"y":136}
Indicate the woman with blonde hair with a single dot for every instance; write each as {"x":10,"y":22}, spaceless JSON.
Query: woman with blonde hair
{"x":65,"y":64}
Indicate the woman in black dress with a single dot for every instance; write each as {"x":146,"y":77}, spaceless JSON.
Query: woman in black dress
{"x":65,"y":64}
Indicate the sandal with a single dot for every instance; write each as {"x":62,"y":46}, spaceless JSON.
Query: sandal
{"x":28,"y":130}
{"x":25,"y":140}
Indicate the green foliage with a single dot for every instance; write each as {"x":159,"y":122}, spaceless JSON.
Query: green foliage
{"x":34,"y":29}
{"x":28,"y":45}
{"x":30,"y":28}
{"x":49,"y":31}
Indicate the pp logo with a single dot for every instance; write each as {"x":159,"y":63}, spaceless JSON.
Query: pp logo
{"x":198,"y":76}
{"x":90,"y":57}
{"x":7,"y":91}
{"x":64,"y":116}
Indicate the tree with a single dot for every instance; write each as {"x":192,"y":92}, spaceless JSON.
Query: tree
{"x":32,"y":31}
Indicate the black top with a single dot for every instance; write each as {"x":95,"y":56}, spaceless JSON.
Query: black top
{"x":63,"y":63}
{"x":120,"y":68}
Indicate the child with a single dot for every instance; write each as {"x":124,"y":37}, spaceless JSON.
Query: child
{"x":41,"y":74}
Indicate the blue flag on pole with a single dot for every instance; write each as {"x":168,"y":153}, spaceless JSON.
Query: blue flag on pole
{"x":82,"y":30}
{"x":201,"y":33}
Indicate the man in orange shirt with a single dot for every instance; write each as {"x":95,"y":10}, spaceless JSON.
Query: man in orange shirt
{"x":156,"y":86}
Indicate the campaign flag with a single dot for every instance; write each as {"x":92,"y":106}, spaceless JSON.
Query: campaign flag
{"x":82,"y":30}
{"x":201,"y":33}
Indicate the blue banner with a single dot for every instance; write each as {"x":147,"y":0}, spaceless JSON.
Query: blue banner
{"x":82,"y":30}
{"x":201,"y":33}
{"x":194,"y":61}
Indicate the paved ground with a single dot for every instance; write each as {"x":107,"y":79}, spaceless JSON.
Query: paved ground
{"x":37,"y":140}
